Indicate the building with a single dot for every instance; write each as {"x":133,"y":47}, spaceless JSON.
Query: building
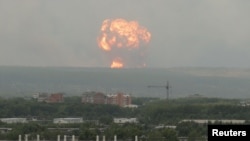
{"x":125,"y":120}
{"x":4,"y":130}
{"x":245,"y":103}
{"x":41,"y":97}
{"x":55,"y":98}
{"x":131,"y":106}
{"x":94,"y":98}
{"x":49,"y":98}
{"x":206,"y":121}
{"x":67,"y":120}
{"x":165,"y":126}
{"x":13,"y":120}
{"x":119,"y":99}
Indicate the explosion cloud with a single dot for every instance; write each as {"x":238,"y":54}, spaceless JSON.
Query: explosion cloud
{"x":125,"y":42}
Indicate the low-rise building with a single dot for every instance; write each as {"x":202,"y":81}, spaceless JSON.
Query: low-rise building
{"x":131,"y":106}
{"x":67,"y":120}
{"x":165,"y":126}
{"x":5,"y":130}
{"x":245,"y":103}
{"x":125,"y":120}
{"x":206,"y":121}
{"x":13,"y":120}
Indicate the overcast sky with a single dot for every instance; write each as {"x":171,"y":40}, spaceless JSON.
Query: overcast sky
{"x":185,"y":33}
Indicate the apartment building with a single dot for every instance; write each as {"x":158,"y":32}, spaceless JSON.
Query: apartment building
{"x":119,"y":99}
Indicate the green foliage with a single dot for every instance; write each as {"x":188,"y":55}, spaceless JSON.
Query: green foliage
{"x":21,"y":129}
{"x":164,"y":134}
{"x":169,"y":134}
{"x":173,"y":111}
{"x":186,"y":128}
{"x":107,"y":120}
{"x":19,"y":107}
{"x":150,"y":113}
{"x":123,"y":131}
{"x":143,"y":100}
{"x":88,"y":131}
{"x":30,"y":128}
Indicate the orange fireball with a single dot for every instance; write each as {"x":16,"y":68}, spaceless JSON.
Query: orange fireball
{"x":117,"y":63}
{"x":119,"y":36}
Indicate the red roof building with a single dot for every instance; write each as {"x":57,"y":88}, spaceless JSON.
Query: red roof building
{"x":55,"y":98}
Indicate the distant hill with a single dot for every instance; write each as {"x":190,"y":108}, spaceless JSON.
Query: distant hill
{"x":209,"y":82}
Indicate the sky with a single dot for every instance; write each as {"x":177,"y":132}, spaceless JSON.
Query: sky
{"x":185,"y":33}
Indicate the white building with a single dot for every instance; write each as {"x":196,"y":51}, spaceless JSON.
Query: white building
{"x":165,"y":126}
{"x":67,"y":120}
{"x":131,"y":106}
{"x":206,"y":121}
{"x":41,"y":97}
{"x":13,"y":120}
{"x":5,"y":130}
{"x":125,"y":120}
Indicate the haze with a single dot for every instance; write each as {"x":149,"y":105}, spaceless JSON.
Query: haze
{"x":185,"y":33}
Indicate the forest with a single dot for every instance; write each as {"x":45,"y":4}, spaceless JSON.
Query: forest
{"x":150,"y":113}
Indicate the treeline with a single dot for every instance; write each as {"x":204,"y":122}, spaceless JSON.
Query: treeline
{"x":150,"y":111}
{"x":72,"y":107}
{"x":88,"y":131}
{"x":175,"y":110}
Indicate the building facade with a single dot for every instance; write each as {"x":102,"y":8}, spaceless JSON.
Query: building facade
{"x":49,"y":98}
{"x":41,"y":97}
{"x":13,"y":120}
{"x":67,"y":120}
{"x":55,"y":98}
{"x":94,"y":98}
{"x":125,"y":120}
{"x":119,"y":99}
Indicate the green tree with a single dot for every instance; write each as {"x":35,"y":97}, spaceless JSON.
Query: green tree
{"x":169,"y":134}
{"x":154,"y":135}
